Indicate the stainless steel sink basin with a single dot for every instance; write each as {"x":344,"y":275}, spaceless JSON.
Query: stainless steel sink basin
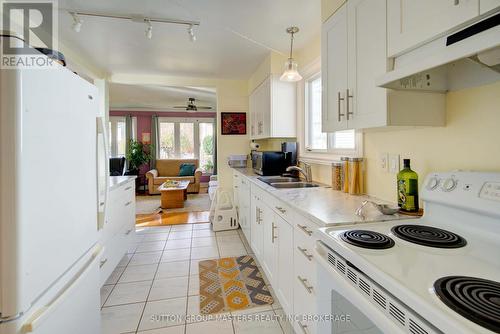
{"x":278,"y":179}
{"x":286,"y":185}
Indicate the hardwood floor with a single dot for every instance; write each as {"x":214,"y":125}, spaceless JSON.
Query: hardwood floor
{"x":171,"y":218}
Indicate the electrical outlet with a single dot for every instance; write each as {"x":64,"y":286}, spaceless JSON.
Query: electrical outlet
{"x":393,"y":163}
{"x":384,"y":162}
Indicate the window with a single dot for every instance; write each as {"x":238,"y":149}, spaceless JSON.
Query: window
{"x":187,"y":138}
{"x":340,"y":142}
{"x":117,"y":135}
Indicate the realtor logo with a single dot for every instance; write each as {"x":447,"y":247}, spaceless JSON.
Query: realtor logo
{"x":35,"y":22}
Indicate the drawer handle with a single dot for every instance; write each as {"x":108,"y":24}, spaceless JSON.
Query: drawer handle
{"x":280,"y":209}
{"x":304,"y":283}
{"x":304,"y":228}
{"x":273,"y":234}
{"x":304,"y":251}
{"x":128,"y":203}
{"x":128,"y":232}
{"x":303,"y":327}
{"x":103,"y":262}
{"x":101,"y":203}
{"x":128,"y":188}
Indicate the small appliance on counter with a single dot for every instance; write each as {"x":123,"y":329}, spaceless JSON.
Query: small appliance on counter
{"x":268,"y":163}
{"x":237,"y":160}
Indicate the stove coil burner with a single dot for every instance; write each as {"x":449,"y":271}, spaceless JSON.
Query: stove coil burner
{"x":428,"y":236}
{"x":367,"y":239}
{"x":476,"y":299}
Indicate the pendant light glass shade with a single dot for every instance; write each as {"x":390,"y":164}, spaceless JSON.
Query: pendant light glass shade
{"x":291,"y":74}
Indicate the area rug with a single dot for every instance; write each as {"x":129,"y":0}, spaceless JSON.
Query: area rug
{"x":230,"y":284}
{"x":151,"y":204}
{"x":171,"y":218}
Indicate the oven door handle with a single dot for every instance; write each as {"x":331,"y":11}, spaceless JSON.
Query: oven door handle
{"x":343,"y":287}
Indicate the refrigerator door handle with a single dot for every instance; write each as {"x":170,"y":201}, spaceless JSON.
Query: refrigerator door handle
{"x":40,"y":315}
{"x":102,"y":203}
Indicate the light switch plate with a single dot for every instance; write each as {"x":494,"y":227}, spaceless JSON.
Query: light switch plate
{"x":384,"y":162}
{"x":393,"y":163}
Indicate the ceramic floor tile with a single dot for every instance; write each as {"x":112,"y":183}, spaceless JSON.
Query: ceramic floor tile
{"x":178,"y":243}
{"x":262,"y":323}
{"x":138,"y":273}
{"x":153,"y":229}
{"x":105,"y":292}
{"x":115,"y":275}
{"x":164,"y":313}
{"x":120,"y":319}
{"x":145,"y":258}
{"x":167,"y":330}
{"x":252,"y":310}
{"x":203,"y":226}
{"x":230,"y":250}
{"x":150,"y":246}
{"x":183,"y":227}
{"x":204,"y":242}
{"x":203,"y":233}
{"x":155,"y":237}
{"x":132,"y":248}
{"x":173,"y":269}
{"x":125,"y":260}
{"x":231,"y":238}
{"x":231,"y":232}
{"x":126,"y":293}
{"x":210,"y":327}
{"x":176,"y":255}
{"x":194,"y":267}
{"x":180,"y":235}
{"x":204,"y":252}
{"x":167,"y":288}
{"x":194,"y":285}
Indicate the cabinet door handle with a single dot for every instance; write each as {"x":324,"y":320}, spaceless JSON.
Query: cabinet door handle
{"x":303,"y":327}
{"x":128,"y":203}
{"x":456,"y":2}
{"x":102,"y":263}
{"x":304,"y":228}
{"x":339,"y":98}
{"x":273,"y":234}
{"x":304,"y":252}
{"x":348,"y":96}
{"x":128,"y":188}
{"x":304,"y":283}
{"x":128,"y":232}
{"x":280,"y":209}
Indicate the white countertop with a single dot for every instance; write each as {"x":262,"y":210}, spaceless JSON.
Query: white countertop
{"x":324,"y":206}
{"x":116,"y":181}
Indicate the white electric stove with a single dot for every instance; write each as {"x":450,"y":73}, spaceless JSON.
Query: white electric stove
{"x":436,"y":274}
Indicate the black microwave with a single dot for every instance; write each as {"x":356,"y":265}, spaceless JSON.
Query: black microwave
{"x":268,"y":163}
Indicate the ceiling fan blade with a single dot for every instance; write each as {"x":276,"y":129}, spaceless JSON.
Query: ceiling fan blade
{"x":204,"y":107}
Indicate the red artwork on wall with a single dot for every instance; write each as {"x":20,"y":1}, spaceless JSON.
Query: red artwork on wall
{"x":234,"y":123}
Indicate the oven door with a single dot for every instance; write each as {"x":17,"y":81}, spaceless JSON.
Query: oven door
{"x":341,"y":307}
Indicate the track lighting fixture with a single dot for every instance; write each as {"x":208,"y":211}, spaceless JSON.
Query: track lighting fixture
{"x":192,"y":36}
{"x":77,"y":22}
{"x":149,"y":30}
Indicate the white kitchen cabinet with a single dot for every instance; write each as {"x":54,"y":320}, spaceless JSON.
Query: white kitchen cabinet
{"x":488,"y":5}
{"x":273,"y":109}
{"x":270,"y":245}
{"x":411,"y":23}
{"x":256,"y":227}
{"x":244,"y":207}
{"x":350,"y":63}
{"x":284,"y":238}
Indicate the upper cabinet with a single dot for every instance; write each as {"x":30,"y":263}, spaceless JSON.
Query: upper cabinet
{"x":411,"y":23}
{"x":487,"y":5}
{"x":273,"y":109}
{"x":354,"y":53}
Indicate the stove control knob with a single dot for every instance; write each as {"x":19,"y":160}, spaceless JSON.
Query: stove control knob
{"x":449,"y":184}
{"x":432,"y":183}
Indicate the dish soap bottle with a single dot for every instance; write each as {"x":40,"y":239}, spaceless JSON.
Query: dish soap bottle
{"x":408,"y":188}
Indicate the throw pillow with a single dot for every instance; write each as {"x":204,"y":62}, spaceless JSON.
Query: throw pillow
{"x":187,"y":170}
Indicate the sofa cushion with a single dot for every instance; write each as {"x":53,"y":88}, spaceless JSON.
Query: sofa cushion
{"x":187,"y":169}
{"x":171,"y":167}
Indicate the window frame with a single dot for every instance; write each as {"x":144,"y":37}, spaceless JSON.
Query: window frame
{"x":113,"y":145}
{"x":321,"y":156}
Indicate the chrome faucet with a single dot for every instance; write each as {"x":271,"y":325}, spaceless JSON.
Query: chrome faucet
{"x":306,"y":171}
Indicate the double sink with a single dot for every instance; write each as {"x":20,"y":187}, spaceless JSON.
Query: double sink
{"x":286,"y":182}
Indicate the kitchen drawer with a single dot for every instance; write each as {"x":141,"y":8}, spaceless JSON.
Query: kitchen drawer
{"x":304,"y":307}
{"x":113,"y":251}
{"x":304,"y":264}
{"x":307,"y":230}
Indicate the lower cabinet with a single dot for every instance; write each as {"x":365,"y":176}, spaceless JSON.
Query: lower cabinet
{"x":284,"y":239}
{"x":270,"y":249}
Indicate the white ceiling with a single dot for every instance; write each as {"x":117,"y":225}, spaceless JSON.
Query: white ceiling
{"x":119,"y":46}
{"x":145,"y":97}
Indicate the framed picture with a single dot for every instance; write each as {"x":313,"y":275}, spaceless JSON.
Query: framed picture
{"x":234,"y":123}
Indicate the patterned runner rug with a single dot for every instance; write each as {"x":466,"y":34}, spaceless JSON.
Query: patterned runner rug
{"x":231,"y":284}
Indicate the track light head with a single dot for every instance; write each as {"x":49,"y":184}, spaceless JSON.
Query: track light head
{"x":149,"y":30}
{"x":77,"y":22}
{"x":192,"y":36}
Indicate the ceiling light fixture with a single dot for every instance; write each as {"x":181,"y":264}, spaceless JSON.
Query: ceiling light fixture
{"x":192,"y":36}
{"x":291,"y":74}
{"x":149,"y":30}
{"x":77,"y":22}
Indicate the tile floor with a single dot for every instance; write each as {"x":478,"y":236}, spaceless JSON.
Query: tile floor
{"x":159,"y":277}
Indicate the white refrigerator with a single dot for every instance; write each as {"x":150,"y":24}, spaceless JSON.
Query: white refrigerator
{"x":53,"y":198}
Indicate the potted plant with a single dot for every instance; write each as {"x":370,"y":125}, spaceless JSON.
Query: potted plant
{"x":138,"y":154}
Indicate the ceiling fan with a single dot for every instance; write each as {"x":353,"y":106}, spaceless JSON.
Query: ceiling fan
{"x":191,"y":106}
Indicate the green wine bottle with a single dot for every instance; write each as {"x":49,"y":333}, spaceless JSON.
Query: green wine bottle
{"x":408,"y":188}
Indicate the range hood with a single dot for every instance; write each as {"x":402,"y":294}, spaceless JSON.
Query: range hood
{"x":465,"y":58}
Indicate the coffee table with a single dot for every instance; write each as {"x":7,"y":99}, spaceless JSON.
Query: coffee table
{"x":173,"y":197}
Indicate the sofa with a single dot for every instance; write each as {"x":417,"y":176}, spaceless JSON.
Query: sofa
{"x":168,"y":169}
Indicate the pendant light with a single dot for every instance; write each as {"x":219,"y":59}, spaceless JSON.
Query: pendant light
{"x":291,"y":74}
